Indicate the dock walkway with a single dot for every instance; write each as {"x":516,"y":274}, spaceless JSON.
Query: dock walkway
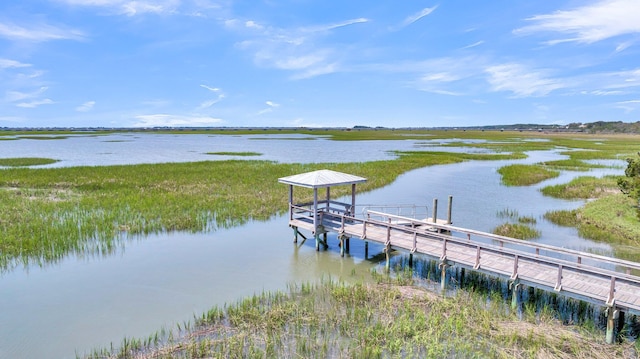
{"x":592,"y":278}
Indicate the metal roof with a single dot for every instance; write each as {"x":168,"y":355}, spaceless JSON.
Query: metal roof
{"x":321,"y":178}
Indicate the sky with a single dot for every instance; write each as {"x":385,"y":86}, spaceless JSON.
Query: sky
{"x":312,"y":63}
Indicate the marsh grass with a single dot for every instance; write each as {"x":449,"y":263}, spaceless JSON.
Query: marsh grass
{"x":525,"y":175}
{"x":26,"y":161}
{"x":584,"y":188}
{"x":48,"y":213}
{"x":246,"y":154}
{"x":611,"y":217}
{"x":387,"y":319}
{"x":517,"y":230}
{"x":570,"y":164}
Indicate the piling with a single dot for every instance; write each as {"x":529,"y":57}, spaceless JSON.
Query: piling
{"x":435,"y":210}
{"x":515,"y":294}
{"x":449,"y":207}
{"x":443,"y":276}
{"x":612,"y":315}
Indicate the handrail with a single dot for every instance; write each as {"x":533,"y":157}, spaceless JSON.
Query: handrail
{"x":536,"y":246}
{"x":562,"y":264}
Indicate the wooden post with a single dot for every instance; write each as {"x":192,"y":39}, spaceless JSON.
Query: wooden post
{"x":317,"y":242}
{"x":341,"y":237}
{"x":353,"y":199}
{"x":410,"y":260}
{"x":435,"y":210}
{"x":443,"y":276}
{"x":328,"y":197}
{"x":387,"y":252}
{"x":612,"y":315}
{"x":515,"y":294}
{"x":295,"y":234}
{"x":346,"y":241}
{"x":315,"y":212}
{"x":449,"y":210}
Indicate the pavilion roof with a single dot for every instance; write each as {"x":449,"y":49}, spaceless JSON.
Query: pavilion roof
{"x":321,"y":178}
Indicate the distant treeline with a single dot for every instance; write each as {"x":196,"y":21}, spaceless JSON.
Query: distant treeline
{"x":593,"y":127}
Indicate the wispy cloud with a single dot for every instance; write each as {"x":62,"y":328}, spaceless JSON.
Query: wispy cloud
{"x":38,"y":32}
{"x":628,"y":106}
{"x":86,"y":107}
{"x":213,"y":101}
{"x":35,"y":103}
{"x":14,"y":96}
{"x":417,"y":16}
{"x":300,"y":50}
{"x":8,"y":64}
{"x":166,"y":120}
{"x":588,"y":24}
{"x":129,"y":7}
{"x":478,"y":43}
{"x":521,"y":80}
{"x":270,"y":106}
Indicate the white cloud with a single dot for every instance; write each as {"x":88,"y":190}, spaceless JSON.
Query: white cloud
{"x":588,"y":24}
{"x":271,"y":105}
{"x":130,"y":7}
{"x":211,"y":102}
{"x":212,"y":89}
{"x":300,"y":50}
{"x":14,"y":96}
{"x":85,"y":107}
{"x":7,"y":64}
{"x":478,"y":43}
{"x":628,"y":106}
{"x":39,"y":32}
{"x":521,"y":80}
{"x":166,"y":120}
{"x":419,"y":15}
{"x":35,"y":103}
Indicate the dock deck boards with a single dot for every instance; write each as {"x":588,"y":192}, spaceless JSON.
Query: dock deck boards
{"x":574,"y":280}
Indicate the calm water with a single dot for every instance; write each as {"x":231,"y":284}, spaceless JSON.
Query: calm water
{"x":83,"y":303}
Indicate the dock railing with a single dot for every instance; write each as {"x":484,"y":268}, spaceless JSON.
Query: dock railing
{"x":468,"y":247}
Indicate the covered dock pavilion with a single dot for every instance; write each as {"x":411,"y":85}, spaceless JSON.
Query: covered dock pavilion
{"x":308,"y":215}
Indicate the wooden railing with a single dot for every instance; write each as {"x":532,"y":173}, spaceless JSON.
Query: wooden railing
{"x":561,"y":260}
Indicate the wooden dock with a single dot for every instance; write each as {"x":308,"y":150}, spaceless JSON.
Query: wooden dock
{"x":600,"y":280}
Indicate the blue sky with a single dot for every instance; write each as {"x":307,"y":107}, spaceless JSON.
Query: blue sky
{"x":125,"y":63}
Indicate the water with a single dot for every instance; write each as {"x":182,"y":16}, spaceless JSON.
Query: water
{"x":82,"y":303}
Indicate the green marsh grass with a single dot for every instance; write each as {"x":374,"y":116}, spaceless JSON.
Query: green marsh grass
{"x":610,"y":217}
{"x":48,"y":213}
{"x":517,"y":230}
{"x":584,"y":188}
{"x":26,"y":161}
{"x":330,"y":319}
{"x":246,"y":154}
{"x":525,"y":175}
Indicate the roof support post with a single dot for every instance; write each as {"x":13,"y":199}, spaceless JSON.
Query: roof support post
{"x":328,"y":197}
{"x":315,"y":211}
{"x":353,"y":200}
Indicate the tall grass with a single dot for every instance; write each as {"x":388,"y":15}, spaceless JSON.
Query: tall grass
{"x":525,"y":175}
{"x":48,"y":213}
{"x":25,"y":161}
{"x":584,"y":188}
{"x":330,"y":319}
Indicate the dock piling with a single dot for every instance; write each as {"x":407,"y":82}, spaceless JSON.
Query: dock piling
{"x":612,"y":316}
